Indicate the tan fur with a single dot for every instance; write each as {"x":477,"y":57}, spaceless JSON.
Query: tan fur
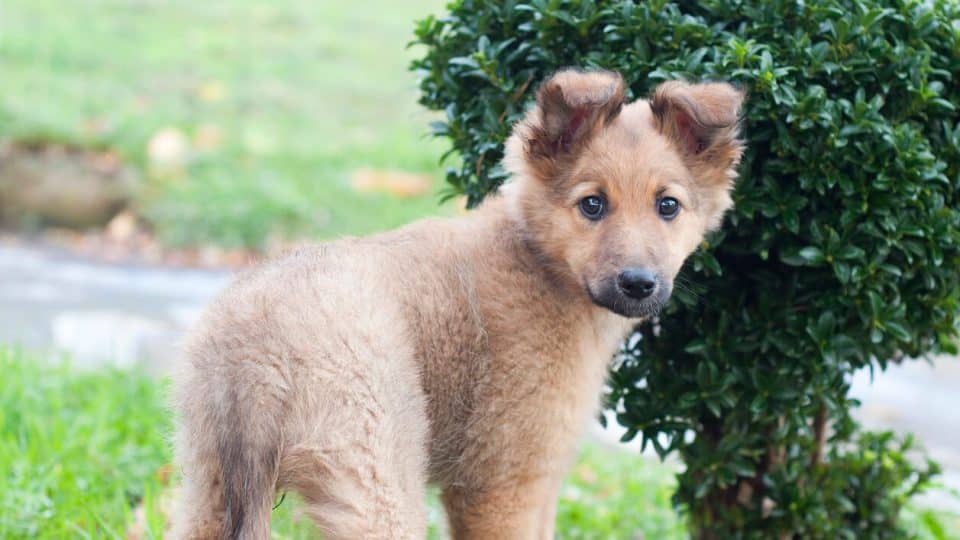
{"x":466,"y":352}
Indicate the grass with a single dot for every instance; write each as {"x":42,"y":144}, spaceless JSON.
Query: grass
{"x":85,"y":454}
{"x":77,"y":451}
{"x":80,"y":451}
{"x":297,"y":95}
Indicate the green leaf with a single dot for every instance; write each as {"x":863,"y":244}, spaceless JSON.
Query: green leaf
{"x":809,"y":255}
{"x":897,"y":330}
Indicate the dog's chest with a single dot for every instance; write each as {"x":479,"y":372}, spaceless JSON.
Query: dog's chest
{"x":588,"y":357}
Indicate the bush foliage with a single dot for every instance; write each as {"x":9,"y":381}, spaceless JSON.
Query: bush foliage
{"x":841,"y":253}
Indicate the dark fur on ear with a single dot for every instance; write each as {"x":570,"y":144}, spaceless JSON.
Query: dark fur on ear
{"x":571,"y":105}
{"x":703,"y":120}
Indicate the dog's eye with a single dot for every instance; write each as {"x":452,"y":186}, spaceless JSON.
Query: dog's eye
{"x":668,"y":208}
{"x":592,"y":207}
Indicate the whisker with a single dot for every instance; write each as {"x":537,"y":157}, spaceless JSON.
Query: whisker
{"x":685,"y":284}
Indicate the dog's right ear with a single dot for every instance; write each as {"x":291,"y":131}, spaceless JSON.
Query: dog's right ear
{"x":571,"y":106}
{"x":702,"y":120}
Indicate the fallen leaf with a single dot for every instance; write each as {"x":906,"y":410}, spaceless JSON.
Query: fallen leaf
{"x":164,"y":473}
{"x":107,"y":162}
{"x":96,"y":126}
{"x":207,"y":137}
{"x":211,"y":91}
{"x":164,"y":505}
{"x":586,"y":474}
{"x":397,"y":183}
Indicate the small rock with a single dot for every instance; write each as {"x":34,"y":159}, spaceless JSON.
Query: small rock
{"x":53,"y":184}
{"x":168,"y":148}
{"x":122,"y":227}
{"x":119,"y":338}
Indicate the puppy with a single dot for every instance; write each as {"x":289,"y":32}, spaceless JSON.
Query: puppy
{"x":467,"y":352}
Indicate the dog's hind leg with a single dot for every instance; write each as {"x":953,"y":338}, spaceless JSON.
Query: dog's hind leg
{"x":363,"y":474}
{"x":199,"y":512}
{"x":229,"y":440}
{"x":214,"y":505}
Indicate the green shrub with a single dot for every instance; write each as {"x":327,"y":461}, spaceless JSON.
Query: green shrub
{"x":842,"y":251}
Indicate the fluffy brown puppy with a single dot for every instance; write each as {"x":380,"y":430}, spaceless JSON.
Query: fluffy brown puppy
{"x":468,"y":352}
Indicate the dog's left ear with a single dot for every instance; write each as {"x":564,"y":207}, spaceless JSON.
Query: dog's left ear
{"x":703,"y":121}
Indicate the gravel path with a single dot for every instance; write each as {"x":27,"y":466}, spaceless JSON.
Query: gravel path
{"x":99,"y":313}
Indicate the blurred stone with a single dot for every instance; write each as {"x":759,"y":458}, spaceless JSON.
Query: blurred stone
{"x":54,"y":184}
{"x":122,"y":227}
{"x":168,"y":148}
{"x":119,"y":338}
{"x":101,"y":314}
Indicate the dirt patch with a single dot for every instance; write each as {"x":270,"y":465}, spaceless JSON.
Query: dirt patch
{"x":127,"y":239}
{"x":55,"y":184}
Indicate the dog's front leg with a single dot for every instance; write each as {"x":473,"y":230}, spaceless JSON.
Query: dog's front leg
{"x":511,"y":510}
{"x":548,"y":511}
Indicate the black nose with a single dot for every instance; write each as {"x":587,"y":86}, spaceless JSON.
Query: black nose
{"x":637,"y":283}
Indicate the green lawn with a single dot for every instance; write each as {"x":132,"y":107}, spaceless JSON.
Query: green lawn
{"x":300,"y":95}
{"x":81,"y":451}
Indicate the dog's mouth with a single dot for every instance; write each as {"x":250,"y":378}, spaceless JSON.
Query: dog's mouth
{"x":609,"y":296}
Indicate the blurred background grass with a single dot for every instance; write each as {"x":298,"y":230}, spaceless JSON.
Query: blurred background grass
{"x":280,"y":103}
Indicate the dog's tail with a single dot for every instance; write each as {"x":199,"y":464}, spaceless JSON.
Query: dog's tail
{"x":249,"y":447}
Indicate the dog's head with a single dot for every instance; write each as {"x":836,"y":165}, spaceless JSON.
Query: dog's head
{"x":615,"y":196}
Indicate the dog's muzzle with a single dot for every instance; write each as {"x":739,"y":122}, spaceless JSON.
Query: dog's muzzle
{"x":634,"y":293}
